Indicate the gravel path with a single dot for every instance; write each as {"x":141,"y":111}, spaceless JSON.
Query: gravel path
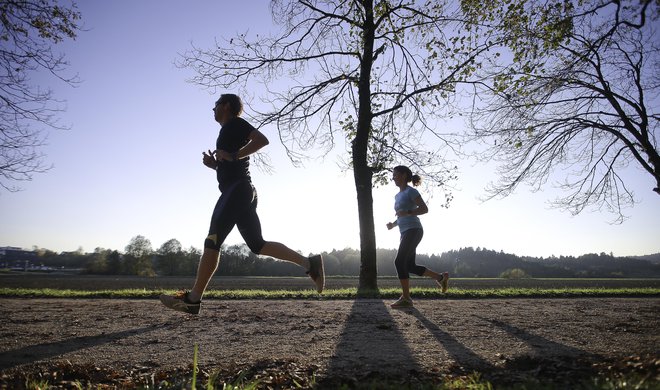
{"x":333,"y":338}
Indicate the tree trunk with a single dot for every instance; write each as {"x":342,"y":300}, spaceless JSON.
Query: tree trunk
{"x":361,"y":170}
{"x":368,"y":269}
{"x":654,"y":160}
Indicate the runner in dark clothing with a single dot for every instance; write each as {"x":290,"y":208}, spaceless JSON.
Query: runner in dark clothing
{"x":237,"y":205}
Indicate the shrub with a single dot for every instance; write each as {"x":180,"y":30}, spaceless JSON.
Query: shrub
{"x":514,"y":273}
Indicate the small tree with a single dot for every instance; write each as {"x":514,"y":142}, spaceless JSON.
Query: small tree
{"x":28,"y":29}
{"x":169,"y":257}
{"x":137,"y":258}
{"x":114,"y":262}
{"x":190,"y":261}
{"x":97,"y":262}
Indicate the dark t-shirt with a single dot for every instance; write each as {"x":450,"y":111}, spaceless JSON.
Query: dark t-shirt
{"x":233,"y":136}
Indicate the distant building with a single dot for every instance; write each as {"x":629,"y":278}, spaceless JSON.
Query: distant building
{"x":12,"y":254}
{"x":5,"y":249}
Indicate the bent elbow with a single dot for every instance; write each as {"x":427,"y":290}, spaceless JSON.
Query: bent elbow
{"x":263,"y":140}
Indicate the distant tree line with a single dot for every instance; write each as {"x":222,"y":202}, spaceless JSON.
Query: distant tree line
{"x":139,"y":258}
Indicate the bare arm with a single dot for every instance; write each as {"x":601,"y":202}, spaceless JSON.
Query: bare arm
{"x":421,"y":208}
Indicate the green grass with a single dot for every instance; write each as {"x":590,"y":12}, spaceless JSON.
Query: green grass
{"x":348,"y":293}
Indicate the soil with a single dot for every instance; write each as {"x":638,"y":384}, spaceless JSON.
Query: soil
{"x":332,"y":341}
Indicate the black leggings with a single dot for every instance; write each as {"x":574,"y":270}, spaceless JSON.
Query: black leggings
{"x":237,"y":206}
{"x":405,"y":257}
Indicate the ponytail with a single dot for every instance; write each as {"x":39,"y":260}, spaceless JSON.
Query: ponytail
{"x":416,"y":180}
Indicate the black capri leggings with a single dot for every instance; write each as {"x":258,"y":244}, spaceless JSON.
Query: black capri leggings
{"x":237,"y":206}
{"x":405,"y":257}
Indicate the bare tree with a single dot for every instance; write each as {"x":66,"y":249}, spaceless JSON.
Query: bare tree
{"x":374,"y":73}
{"x":579,"y":98}
{"x":29,"y":29}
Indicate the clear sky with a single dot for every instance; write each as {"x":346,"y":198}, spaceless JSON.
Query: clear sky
{"x":131,"y":162}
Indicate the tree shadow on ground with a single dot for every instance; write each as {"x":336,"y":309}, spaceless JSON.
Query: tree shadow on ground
{"x":548,"y":362}
{"x":370,"y":347}
{"x":34,"y":353}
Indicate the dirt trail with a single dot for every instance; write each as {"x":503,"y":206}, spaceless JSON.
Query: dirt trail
{"x":335,"y":339}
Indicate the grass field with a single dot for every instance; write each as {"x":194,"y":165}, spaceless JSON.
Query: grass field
{"x":88,"y":286}
{"x":115,"y":282}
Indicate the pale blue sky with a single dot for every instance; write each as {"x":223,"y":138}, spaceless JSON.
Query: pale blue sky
{"x":131,"y":163}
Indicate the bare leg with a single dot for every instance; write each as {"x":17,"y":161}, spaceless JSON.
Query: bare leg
{"x":405,"y":288}
{"x":283,"y":252}
{"x":207,"y":266}
{"x":441,"y":279}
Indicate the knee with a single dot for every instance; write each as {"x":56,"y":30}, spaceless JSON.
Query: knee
{"x":212,"y":242}
{"x":256,"y":246}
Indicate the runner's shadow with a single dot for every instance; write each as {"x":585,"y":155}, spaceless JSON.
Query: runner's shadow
{"x":549,"y":360}
{"x":370,"y":346}
{"x":33,"y":353}
{"x":462,"y":355}
{"x":542,"y":346}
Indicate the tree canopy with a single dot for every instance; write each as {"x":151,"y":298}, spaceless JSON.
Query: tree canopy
{"x":28,"y":30}
{"x":573,"y":99}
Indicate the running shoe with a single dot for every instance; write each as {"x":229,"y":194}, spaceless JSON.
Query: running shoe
{"x":180,"y":302}
{"x":443,"y":282}
{"x":316,"y":272}
{"x":402,"y":303}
